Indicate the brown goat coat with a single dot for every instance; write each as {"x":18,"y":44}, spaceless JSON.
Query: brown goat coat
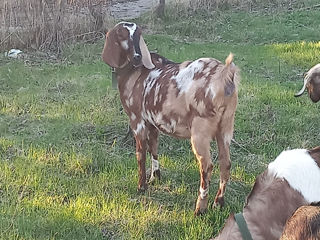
{"x":314,"y":87}
{"x":312,"y":83}
{"x":194,"y":100}
{"x":265,"y":212}
{"x":315,"y":154}
{"x":303,"y":225}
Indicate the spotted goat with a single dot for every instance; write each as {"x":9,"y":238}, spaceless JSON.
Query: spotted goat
{"x":292,"y":180}
{"x":194,"y":99}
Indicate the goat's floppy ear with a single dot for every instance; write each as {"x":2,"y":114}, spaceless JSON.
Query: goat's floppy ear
{"x":111,"y":53}
{"x":146,"y":58}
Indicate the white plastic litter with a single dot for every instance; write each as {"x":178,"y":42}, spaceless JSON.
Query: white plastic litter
{"x":13,"y":53}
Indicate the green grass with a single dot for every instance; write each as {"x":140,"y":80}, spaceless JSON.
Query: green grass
{"x":67,"y":173}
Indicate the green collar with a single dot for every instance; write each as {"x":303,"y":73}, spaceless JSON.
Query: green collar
{"x":243,"y":226}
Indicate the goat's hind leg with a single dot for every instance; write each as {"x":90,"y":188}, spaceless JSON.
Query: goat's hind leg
{"x":141,"y":151}
{"x":223,"y":141}
{"x":201,"y":148}
{"x":152,"y":138}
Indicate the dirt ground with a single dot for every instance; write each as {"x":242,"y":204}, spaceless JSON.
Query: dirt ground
{"x":131,"y":9}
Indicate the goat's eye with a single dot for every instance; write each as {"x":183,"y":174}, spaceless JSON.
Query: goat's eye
{"x":122,"y":34}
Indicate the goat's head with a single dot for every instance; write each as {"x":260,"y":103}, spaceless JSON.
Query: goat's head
{"x":124,"y":44}
{"x":312,"y":83}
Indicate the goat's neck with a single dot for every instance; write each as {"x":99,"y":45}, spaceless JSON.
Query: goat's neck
{"x":267,"y":213}
{"x":125,"y":74}
{"x":121,"y":73}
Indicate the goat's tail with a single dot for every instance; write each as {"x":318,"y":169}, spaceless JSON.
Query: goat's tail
{"x":230,"y":76}
{"x":229,"y":59}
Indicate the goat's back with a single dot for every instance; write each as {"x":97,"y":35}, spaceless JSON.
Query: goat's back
{"x":176,"y":93}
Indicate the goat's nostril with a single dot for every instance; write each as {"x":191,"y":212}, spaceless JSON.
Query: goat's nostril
{"x":137,"y":57}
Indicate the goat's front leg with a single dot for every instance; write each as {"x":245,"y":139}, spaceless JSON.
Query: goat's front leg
{"x":201,"y":148}
{"x":153,"y":150}
{"x":141,"y":150}
{"x":223,"y":138}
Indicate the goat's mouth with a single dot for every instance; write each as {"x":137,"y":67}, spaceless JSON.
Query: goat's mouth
{"x":138,"y":64}
{"x":136,"y":61}
{"x":314,"y":98}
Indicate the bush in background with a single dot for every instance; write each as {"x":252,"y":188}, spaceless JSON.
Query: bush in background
{"x":49,"y":24}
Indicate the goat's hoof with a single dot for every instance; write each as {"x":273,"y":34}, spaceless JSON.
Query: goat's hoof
{"x":218,"y":202}
{"x":143,"y":188}
{"x":153,"y":177}
{"x":199,"y":212}
{"x":201,"y":206}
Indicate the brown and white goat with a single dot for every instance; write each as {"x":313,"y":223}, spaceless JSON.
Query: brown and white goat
{"x":303,"y":225}
{"x":290,"y":181}
{"x":194,"y":99}
{"x":312,"y":83}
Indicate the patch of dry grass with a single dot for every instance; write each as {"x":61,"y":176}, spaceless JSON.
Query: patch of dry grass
{"x":49,"y":24}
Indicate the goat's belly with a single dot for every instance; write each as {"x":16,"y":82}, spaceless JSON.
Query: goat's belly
{"x":179,"y":131}
{"x":168,"y":125}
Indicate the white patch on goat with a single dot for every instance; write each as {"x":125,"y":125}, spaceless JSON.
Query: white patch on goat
{"x":127,"y":103}
{"x":227,"y":138}
{"x":203,"y":192}
{"x":173,"y":124}
{"x":130,"y":101}
{"x":158,"y":118}
{"x":156,"y":93}
{"x":154,"y":167}
{"x":300,"y":170}
{"x":140,"y":127}
{"x":165,"y":126}
{"x":133,"y":116}
{"x":147,"y":115}
{"x":207,"y":70}
{"x":201,"y":107}
{"x":185,"y":76}
{"x":131,"y":29}
{"x":124,"y":44}
{"x":151,"y":80}
{"x":210,"y":90}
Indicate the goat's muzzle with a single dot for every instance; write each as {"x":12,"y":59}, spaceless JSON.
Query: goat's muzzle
{"x":136,"y":60}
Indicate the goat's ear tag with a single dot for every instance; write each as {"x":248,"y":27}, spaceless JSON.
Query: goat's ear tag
{"x":114,"y":78}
